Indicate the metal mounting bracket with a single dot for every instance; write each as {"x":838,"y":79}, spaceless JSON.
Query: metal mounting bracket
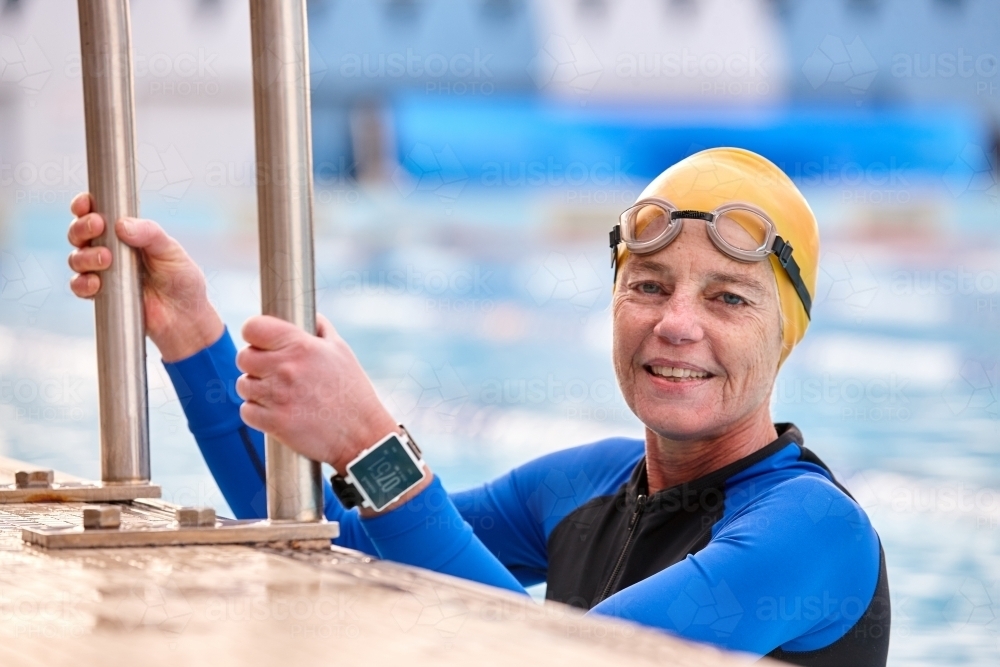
{"x":155,"y":523}
{"x":25,"y":483}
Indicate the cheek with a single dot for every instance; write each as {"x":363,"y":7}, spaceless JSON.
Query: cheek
{"x":620,"y":343}
{"x":768,"y":354}
{"x":750,"y":352}
{"x":627,"y":335}
{"x":771,"y":339}
{"x":630,"y":320}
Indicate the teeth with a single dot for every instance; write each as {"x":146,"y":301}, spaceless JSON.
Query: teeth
{"x":679,"y":373}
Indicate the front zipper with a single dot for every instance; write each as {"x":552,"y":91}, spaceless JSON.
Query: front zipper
{"x":640,"y":505}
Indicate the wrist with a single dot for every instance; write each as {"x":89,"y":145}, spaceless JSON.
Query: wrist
{"x":186,"y":338}
{"x":369,"y":432}
{"x":387,"y":476}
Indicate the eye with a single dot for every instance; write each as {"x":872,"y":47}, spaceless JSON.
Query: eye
{"x":649,"y":288}
{"x":731,"y":299}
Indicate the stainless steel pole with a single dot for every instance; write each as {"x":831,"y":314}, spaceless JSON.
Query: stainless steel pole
{"x":106,"y":53}
{"x":284,"y":208}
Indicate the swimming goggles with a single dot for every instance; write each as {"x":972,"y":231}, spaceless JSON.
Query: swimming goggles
{"x":741,"y":231}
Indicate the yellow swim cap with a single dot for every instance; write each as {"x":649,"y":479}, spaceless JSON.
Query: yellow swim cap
{"x":706,"y":180}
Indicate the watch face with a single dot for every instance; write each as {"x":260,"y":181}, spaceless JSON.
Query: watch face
{"x":386,"y":472}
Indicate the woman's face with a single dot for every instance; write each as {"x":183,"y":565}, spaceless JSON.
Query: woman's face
{"x":697,"y":337}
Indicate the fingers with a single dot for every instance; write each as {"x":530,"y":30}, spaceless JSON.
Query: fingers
{"x":86,"y":285}
{"x":266,"y":392}
{"x":251,"y":389}
{"x":270,"y":333}
{"x":138,"y":233}
{"x":82,"y":204}
{"x":260,"y":364}
{"x":257,"y":416}
{"x":86,"y":260}
{"x":85,"y":229}
{"x":254,"y":362}
{"x":325,"y":329}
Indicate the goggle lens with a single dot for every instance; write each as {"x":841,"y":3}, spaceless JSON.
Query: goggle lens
{"x":742,"y":229}
{"x":645,"y":223}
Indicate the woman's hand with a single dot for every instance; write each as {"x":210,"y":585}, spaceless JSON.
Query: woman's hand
{"x":179,"y":318}
{"x":309,"y":391}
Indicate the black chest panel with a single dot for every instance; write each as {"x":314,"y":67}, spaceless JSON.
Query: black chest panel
{"x":615,"y":541}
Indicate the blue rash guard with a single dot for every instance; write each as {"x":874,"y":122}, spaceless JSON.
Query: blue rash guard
{"x":769,"y":555}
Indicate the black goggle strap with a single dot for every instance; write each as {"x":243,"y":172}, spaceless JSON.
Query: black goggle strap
{"x":783,"y":251}
{"x":616,"y":238}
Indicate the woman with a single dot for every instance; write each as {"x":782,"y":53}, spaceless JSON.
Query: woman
{"x":718,"y":526}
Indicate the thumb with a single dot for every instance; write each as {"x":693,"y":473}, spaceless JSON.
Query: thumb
{"x":148,"y":236}
{"x":266,"y":332}
{"x":325,"y":329}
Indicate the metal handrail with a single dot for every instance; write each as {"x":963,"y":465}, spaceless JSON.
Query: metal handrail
{"x":106,"y":53}
{"x":280,"y":48}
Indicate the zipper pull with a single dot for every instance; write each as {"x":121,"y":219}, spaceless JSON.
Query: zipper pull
{"x":640,"y":505}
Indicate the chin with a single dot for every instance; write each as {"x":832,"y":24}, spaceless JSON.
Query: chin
{"x":679,"y":424}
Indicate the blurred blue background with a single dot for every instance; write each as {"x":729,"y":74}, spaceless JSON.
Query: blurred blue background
{"x":470,"y":157}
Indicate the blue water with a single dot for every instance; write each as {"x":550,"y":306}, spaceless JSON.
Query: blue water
{"x":483,"y":320}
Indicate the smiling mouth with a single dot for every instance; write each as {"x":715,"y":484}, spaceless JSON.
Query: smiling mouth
{"x":677,"y":374}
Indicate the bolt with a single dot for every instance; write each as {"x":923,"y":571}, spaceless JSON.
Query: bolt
{"x":195,"y":517}
{"x":34,"y":479}
{"x":101,"y":516}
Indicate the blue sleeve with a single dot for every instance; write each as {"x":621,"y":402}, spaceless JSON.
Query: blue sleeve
{"x":429,"y":532}
{"x":206,"y":386}
{"x":796,"y":568}
{"x":515,"y":514}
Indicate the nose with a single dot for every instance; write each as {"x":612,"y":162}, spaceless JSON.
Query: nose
{"x":680,"y":322}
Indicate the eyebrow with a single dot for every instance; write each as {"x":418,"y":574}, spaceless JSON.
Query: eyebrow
{"x":649,"y":264}
{"x":714,"y":276}
{"x":731,"y":278}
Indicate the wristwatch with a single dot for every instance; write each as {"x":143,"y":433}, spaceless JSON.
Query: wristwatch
{"x":381,"y":474}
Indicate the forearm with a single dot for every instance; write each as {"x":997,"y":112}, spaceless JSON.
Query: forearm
{"x":234,"y":454}
{"x":429,"y":532}
{"x":233,"y":451}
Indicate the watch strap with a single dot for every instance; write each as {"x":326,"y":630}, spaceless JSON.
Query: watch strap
{"x":346,"y":492}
